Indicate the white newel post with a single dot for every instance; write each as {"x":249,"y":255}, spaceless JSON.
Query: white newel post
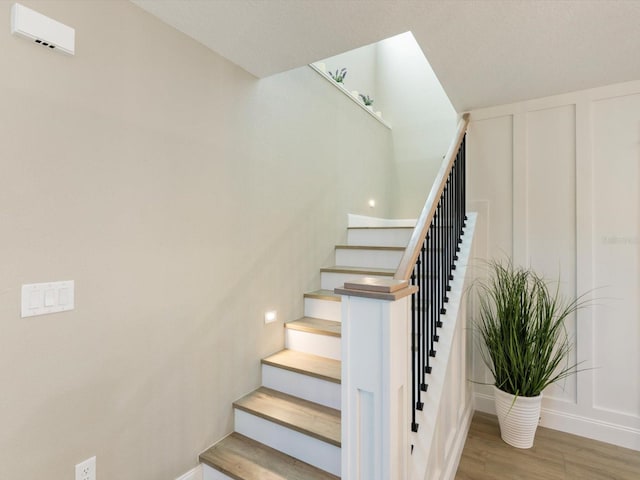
{"x":375,"y":379}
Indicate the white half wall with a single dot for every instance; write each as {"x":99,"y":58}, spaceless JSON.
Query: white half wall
{"x":555,"y":181}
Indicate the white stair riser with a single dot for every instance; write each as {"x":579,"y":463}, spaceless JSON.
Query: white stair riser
{"x":209,"y":473}
{"x":368,"y":258}
{"x":322,"y":345}
{"x":302,"y":386}
{"x":303,"y":447}
{"x":318,"y":308}
{"x":382,"y":237}
{"x":332,"y":280}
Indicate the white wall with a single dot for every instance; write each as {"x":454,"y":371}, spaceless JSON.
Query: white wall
{"x":185,"y":198}
{"x":423,"y":119}
{"x":405,"y":89}
{"x":361,"y":65}
{"x":555,"y":181}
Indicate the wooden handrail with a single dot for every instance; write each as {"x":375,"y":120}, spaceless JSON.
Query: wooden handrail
{"x":428,"y":211}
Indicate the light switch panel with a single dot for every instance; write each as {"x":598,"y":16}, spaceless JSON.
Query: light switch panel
{"x":51,"y":297}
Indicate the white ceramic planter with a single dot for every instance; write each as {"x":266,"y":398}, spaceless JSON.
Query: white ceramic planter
{"x":519,"y":419}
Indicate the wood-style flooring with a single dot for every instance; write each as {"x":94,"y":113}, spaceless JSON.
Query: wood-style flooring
{"x":555,"y":456}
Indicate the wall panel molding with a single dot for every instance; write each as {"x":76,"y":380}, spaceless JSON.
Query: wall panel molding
{"x":575,"y":177}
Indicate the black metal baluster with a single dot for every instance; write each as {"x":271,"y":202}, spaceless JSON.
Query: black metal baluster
{"x":414,"y":387}
{"x":442,"y":252}
{"x":463,"y":149}
{"x":434,"y":286}
{"x":439,"y":310}
{"x":454,"y":213}
{"x":428,"y":299}
{"x":432,"y":274}
{"x":417,"y":335}
{"x":450,"y":235}
{"x":453,"y":237}
{"x":423,"y":309}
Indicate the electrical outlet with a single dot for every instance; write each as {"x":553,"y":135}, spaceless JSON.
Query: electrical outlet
{"x":86,"y":470}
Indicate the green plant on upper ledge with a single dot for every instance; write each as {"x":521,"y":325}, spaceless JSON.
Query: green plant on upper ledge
{"x":522,"y":327}
{"x":339,"y":75}
{"x":366,"y":99}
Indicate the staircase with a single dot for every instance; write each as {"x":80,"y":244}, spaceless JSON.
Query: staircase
{"x":289,"y":428}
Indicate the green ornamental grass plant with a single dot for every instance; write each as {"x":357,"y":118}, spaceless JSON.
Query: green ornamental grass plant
{"x":522,"y":325}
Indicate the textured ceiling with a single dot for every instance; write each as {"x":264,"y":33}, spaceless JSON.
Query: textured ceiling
{"x":485,"y":52}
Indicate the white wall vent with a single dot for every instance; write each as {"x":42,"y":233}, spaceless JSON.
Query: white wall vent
{"x":43,"y":30}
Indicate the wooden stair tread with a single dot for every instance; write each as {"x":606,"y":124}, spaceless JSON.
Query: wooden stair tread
{"x":370,"y":247}
{"x":316,"y":325}
{"x":385,"y":272}
{"x":312,"y":419}
{"x":243,"y":458}
{"x":324,"y":294}
{"x":313,"y":365}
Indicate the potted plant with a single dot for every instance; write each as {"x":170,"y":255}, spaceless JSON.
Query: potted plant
{"x":368,"y":101}
{"x":339,"y":75}
{"x":521,"y":322}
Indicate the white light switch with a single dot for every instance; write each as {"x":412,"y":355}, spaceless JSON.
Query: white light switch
{"x":49,"y":297}
{"x":42,"y":298}
{"x":35,"y":299}
{"x":63,"y":296}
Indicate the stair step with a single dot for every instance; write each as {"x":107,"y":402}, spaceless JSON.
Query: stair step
{"x":372,"y":247}
{"x":379,"y":236}
{"x":318,"y":326}
{"x":312,"y":420}
{"x":324,"y":294}
{"x":323,"y":304}
{"x":303,"y":375}
{"x":336,"y":276}
{"x":308,"y":418}
{"x":242,"y":458}
{"x":316,"y":336}
{"x":370,"y":271}
{"x":313,"y":365}
{"x":369,"y":256}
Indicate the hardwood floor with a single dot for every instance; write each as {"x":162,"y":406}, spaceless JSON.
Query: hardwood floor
{"x":554,"y":456}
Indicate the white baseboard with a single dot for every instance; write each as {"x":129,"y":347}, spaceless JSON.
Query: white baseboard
{"x":209,"y":473}
{"x":193,"y":474}
{"x":484,"y":403}
{"x":594,"y":429}
{"x":453,"y":459}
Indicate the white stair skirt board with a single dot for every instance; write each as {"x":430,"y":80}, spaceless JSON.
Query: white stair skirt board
{"x":209,"y":473}
{"x":317,"y":308}
{"x":302,"y":386}
{"x":303,"y":447}
{"x":379,"y":237}
{"x":321,"y":345}
{"x":368,"y":258}
{"x":333,"y":280}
